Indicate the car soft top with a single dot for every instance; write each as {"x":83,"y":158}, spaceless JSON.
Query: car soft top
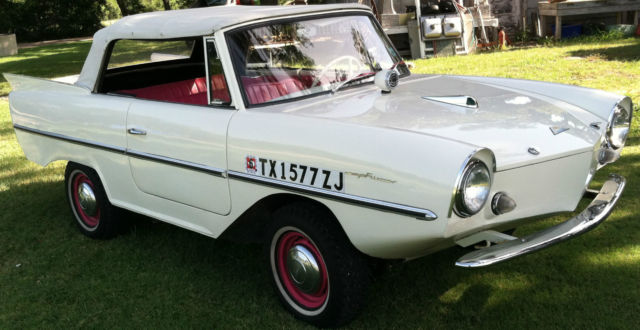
{"x":185,"y":23}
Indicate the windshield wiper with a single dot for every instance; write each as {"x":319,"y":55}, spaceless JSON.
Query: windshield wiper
{"x":359,"y":77}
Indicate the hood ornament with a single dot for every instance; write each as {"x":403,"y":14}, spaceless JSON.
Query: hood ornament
{"x":557,"y":129}
{"x":459,"y":100}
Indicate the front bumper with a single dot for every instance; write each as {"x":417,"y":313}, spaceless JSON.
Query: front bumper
{"x":597,"y":211}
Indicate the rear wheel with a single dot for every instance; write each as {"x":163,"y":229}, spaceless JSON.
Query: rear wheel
{"x":318,"y":275}
{"x":94,"y":215}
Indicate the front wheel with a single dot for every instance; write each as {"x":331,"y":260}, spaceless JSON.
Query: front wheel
{"x":318,"y":275}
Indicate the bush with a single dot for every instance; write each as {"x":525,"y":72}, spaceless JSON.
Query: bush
{"x":34,"y":20}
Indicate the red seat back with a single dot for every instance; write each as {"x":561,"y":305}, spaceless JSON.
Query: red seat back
{"x":191,"y":91}
{"x":264,"y":89}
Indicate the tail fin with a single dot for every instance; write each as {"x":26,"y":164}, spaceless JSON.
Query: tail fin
{"x":26,"y":83}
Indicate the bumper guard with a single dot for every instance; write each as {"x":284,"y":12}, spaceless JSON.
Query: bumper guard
{"x":597,"y":211}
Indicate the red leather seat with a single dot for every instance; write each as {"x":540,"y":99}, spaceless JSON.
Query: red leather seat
{"x":191,"y":91}
{"x":219,"y":88}
{"x":263,"y":89}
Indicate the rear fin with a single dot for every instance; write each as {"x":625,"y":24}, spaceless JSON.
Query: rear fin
{"x":26,"y":83}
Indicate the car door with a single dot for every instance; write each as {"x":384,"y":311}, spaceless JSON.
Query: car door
{"x":177,"y":151}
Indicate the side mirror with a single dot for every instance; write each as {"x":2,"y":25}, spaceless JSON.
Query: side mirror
{"x":386,"y":80}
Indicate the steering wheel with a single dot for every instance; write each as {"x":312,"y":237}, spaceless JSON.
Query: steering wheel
{"x":352,"y":61}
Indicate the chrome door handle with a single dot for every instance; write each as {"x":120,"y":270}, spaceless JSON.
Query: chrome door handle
{"x":136,"y":131}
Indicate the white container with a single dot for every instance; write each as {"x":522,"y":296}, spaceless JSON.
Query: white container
{"x":432,"y":27}
{"x":452,"y":26}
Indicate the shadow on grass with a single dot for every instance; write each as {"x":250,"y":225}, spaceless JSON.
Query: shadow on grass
{"x":632,"y":140}
{"x":6,"y":130}
{"x":620,"y":53}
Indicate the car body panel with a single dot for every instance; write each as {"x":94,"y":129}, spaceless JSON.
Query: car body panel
{"x":186,"y":133}
{"x":506,"y":120}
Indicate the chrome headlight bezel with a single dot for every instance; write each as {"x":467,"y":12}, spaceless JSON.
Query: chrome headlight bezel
{"x":469,"y":202}
{"x":619,"y":124}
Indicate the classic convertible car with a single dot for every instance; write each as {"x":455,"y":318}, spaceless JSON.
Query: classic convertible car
{"x":301,"y":127}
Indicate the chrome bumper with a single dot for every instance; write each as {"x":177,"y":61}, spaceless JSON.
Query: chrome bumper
{"x":597,"y":211}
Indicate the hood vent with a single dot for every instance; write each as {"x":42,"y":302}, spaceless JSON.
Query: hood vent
{"x":459,"y":100}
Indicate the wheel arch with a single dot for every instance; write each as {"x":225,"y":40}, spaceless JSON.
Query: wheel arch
{"x":250,"y":226}
{"x":92,"y":165}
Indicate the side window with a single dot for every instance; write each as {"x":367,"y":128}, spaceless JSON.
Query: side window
{"x":218,"y":90}
{"x":165,"y":70}
{"x":134,"y":52}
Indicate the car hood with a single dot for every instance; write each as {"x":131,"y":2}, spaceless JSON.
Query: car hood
{"x":508,"y":121}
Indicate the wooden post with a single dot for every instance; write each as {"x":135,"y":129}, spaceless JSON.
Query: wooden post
{"x":618,"y":18}
{"x":558,"y":34}
{"x":543,"y":25}
{"x":635,"y":17}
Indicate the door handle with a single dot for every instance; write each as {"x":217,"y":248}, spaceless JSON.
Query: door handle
{"x":136,"y":131}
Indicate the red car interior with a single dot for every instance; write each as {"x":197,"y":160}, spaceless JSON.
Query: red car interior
{"x":191,"y":91}
{"x":194,"y":91}
{"x":266,"y":88}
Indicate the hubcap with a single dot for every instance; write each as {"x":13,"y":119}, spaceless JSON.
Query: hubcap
{"x":87,"y":199}
{"x":303,"y":269}
{"x":300,"y":271}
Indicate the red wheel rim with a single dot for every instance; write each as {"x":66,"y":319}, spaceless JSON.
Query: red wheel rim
{"x":89,"y":221}
{"x":309,"y":301}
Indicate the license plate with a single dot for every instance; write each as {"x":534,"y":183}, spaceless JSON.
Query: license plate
{"x":296,"y":173}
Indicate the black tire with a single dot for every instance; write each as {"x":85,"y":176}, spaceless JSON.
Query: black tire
{"x":96,"y":220}
{"x":337,"y":295}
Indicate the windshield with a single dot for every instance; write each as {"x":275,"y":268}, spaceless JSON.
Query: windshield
{"x":293,"y":59}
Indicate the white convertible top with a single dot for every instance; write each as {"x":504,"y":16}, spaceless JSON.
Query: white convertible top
{"x":185,"y":23}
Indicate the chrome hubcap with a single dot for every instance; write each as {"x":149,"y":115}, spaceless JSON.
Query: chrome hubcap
{"x":87,"y":199}
{"x":303,"y":269}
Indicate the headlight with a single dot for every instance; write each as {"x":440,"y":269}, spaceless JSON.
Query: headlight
{"x":619,"y":123}
{"x":473,"y":190}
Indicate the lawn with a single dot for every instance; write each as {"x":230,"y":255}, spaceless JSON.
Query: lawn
{"x":157,"y":275}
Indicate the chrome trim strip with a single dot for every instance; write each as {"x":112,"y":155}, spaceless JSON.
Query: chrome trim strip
{"x":597,"y":211}
{"x":422,"y":214}
{"x":176,"y":162}
{"x":83,"y":142}
{"x":128,"y":152}
{"x":206,"y":66}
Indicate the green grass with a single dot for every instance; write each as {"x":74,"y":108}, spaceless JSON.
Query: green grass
{"x":46,"y":62}
{"x":157,"y":275}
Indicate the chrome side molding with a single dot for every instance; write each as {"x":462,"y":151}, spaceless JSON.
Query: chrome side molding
{"x":597,"y":211}
{"x":128,"y":152}
{"x":416,"y":212}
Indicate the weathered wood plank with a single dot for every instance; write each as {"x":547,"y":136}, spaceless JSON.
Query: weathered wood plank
{"x":588,"y":10}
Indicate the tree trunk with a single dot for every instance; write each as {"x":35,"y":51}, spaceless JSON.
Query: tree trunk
{"x":167,"y":5}
{"x":123,"y":7}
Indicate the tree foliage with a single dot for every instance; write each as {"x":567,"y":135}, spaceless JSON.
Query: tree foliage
{"x":131,"y":7}
{"x":33,"y":20}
